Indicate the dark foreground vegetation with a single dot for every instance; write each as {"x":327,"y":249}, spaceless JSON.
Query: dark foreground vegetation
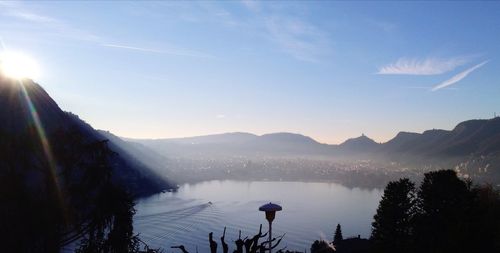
{"x":61,"y":183}
{"x":445,"y":214}
{"x":46,"y":205}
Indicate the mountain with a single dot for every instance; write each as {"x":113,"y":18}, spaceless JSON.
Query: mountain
{"x":236,"y":137}
{"x":288,"y":138}
{"x":359,"y":144}
{"x":236,"y":144}
{"x":402,"y":141}
{"x":26,"y":107}
{"x":472,"y":137}
{"x":17,"y":104}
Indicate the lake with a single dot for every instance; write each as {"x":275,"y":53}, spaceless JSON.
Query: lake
{"x":311,"y":211}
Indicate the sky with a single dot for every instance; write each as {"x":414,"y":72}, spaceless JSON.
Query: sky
{"x":328,"y":70}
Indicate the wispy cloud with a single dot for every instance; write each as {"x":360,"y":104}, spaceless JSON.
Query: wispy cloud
{"x":302,"y":40}
{"x":252,"y":5}
{"x":29,"y":16}
{"x":49,"y":27}
{"x":292,"y":34}
{"x":220,"y":116}
{"x":133,"y":48}
{"x":42,"y":25}
{"x":178,"y":52}
{"x":16,"y":10}
{"x":429,"y":66}
{"x":456,"y":78}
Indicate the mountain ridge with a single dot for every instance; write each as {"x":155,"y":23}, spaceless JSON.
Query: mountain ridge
{"x":471,"y":137}
{"x":25,"y":105}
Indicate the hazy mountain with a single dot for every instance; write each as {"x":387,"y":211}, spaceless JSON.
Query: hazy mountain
{"x":237,"y":144}
{"x":473,"y":137}
{"x":141,"y":156}
{"x":236,"y":137}
{"x":22,"y":107}
{"x":360,"y":144}
{"x":402,"y":141}
{"x":288,"y":138}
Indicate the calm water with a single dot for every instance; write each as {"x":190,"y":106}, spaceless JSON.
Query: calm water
{"x":310,"y":212}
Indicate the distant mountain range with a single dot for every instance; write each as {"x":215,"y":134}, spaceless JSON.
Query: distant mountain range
{"x":472,"y":148}
{"x":21,"y":109}
{"x":469,"y":138}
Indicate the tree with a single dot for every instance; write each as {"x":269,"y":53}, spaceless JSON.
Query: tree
{"x":110,"y":228}
{"x":337,"y":238}
{"x":392,"y":226}
{"x":321,"y":247}
{"x":484,"y":218}
{"x":444,"y":204}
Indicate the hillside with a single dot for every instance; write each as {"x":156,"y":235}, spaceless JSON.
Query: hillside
{"x":28,"y":106}
{"x":473,"y":137}
{"x":473,"y":147}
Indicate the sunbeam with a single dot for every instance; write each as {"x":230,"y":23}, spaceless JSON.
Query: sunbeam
{"x":34,"y":117}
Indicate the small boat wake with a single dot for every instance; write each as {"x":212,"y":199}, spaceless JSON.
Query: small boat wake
{"x":158,"y":228}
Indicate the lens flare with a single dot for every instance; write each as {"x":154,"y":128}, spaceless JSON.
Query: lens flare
{"x":35,"y":119}
{"x":18,"y":65}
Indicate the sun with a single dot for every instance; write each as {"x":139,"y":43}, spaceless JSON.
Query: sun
{"x":18,"y":65}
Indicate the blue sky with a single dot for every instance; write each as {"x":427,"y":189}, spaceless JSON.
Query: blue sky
{"x":329,"y":70}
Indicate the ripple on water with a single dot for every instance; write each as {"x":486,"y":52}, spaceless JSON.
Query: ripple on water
{"x":186,"y":217}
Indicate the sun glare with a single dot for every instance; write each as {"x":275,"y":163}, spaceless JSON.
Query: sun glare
{"x":18,"y":65}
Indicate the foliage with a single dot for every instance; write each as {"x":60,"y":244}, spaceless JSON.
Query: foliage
{"x":338,"y":235}
{"x":446,"y":215}
{"x":443,"y":205}
{"x":53,"y":194}
{"x":392,"y":228}
{"x":321,"y":247}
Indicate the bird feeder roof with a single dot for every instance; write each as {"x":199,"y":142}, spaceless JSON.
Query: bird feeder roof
{"x":270,"y":207}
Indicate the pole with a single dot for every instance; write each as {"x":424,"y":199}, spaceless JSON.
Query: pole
{"x":270,"y":236}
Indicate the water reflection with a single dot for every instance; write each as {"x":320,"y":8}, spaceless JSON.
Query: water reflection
{"x":310,"y":211}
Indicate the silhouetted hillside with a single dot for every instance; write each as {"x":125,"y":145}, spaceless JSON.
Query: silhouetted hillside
{"x":473,"y":137}
{"x":402,"y":141}
{"x":359,"y":144}
{"x":28,"y":106}
{"x":288,"y":138}
{"x":237,"y":144}
{"x":237,"y":137}
{"x":473,"y":147}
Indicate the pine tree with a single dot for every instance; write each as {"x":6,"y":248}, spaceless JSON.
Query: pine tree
{"x":443,"y":203}
{"x":392,"y":226}
{"x":337,"y":238}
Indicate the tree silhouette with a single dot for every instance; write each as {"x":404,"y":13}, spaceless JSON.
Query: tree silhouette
{"x":337,"y":238}
{"x":50,"y":198}
{"x":392,"y":225}
{"x":321,"y":247}
{"x":484,"y":218}
{"x":444,"y":202}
